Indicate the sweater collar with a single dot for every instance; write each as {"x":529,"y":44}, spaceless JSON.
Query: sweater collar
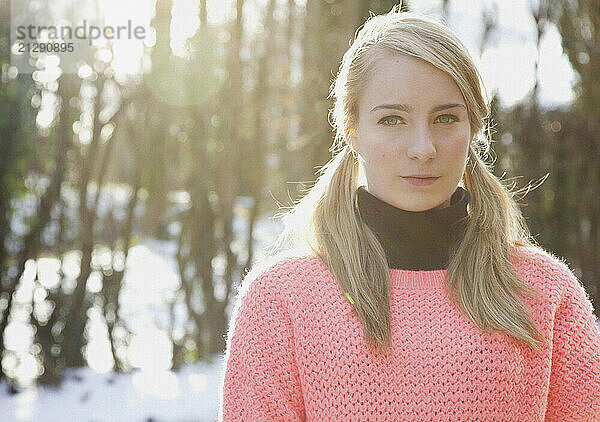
{"x":415,"y":240}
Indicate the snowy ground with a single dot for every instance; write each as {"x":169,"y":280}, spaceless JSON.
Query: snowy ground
{"x":88,"y":396}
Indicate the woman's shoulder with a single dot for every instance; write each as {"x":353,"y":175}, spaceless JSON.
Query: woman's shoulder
{"x":281,"y":271}
{"x":542,"y":267}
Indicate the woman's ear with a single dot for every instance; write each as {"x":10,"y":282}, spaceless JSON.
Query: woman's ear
{"x":351,"y":138}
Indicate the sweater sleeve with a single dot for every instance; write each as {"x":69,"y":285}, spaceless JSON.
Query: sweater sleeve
{"x":260,"y":380}
{"x":574,"y":391}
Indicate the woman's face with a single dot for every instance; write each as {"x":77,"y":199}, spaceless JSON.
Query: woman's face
{"x":412,"y":120}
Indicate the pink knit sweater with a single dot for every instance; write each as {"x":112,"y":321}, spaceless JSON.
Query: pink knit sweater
{"x":295,"y":352}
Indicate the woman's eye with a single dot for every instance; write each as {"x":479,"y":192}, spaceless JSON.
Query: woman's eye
{"x":447,"y":118}
{"x":390,"y":120}
{"x":395,"y":120}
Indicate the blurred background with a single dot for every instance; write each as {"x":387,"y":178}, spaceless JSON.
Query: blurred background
{"x":136,"y":192}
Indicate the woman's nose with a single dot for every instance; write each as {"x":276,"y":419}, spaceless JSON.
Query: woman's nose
{"x":421,"y":144}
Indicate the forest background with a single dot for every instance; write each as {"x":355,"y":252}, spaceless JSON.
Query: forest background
{"x":187,"y":143}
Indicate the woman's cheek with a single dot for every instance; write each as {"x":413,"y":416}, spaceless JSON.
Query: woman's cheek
{"x":457,"y":145}
{"x":385,"y":149}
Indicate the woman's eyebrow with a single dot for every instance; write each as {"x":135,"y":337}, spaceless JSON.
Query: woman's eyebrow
{"x":408,"y":109}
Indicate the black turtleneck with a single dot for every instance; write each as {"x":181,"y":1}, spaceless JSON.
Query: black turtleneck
{"x":415,"y":240}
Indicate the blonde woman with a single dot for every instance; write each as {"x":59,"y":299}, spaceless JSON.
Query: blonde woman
{"x":421,"y":295}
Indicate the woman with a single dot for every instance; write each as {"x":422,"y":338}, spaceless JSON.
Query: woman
{"x":422,"y":295}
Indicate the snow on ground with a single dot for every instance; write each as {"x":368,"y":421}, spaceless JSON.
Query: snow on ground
{"x":189,"y":395}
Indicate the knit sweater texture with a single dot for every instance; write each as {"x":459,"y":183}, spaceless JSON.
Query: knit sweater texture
{"x":296,"y":352}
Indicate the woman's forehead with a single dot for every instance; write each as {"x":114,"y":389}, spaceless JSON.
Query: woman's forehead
{"x":402,"y":79}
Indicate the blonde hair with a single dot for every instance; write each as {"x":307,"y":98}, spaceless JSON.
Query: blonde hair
{"x":480,"y":278}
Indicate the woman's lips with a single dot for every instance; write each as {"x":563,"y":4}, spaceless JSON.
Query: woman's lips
{"x":421,"y":181}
